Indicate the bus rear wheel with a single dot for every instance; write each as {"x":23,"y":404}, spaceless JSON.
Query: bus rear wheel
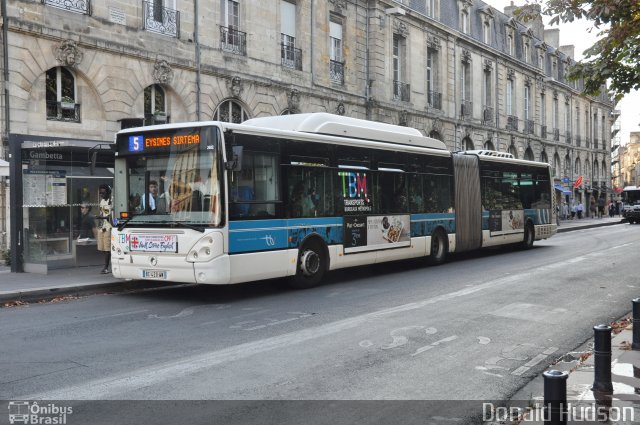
{"x":439,"y":248}
{"x":311,"y":266}
{"x":529,"y":236}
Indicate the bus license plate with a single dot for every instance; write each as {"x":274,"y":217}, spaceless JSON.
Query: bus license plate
{"x":154,"y":274}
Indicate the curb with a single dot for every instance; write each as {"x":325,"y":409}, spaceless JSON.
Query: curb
{"x":587,"y":226}
{"x":47,"y":294}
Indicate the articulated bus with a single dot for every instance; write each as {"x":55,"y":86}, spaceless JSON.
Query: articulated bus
{"x":299,"y":195}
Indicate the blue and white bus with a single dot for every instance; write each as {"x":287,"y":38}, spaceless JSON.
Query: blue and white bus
{"x":299,"y":195}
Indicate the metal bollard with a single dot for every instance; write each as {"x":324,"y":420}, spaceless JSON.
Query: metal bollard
{"x":636,"y":324}
{"x":555,"y":397}
{"x":602,"y":385}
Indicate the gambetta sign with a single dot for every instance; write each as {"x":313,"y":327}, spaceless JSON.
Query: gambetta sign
{"x":354,"y":192}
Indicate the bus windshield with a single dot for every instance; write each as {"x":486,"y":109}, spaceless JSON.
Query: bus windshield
{"x":172,"y":177}
{"x":631,"y":196}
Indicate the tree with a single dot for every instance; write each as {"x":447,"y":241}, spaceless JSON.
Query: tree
{"x":615,"y":57}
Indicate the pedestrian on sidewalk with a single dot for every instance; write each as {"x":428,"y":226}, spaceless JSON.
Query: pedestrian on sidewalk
{"x":592,"y":208}
{"x":580,"y":209}
{"x":601,"y":207}
{"x":565,"y":211}
{"x":612,"y":209}
{"x":574,"y":210}
{"x":104,"y":228}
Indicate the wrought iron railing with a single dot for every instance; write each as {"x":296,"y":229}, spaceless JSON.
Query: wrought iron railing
{"x":512,"y":122}
{"x":543,"y":131}
{"x":596,"y":142}
{"x":466,"y":108}
{"x":529,"y":126}
{"x":77,"y":6}
{"x":63,"y":111}
{"x":556,"y":134}
{"x":233,"y":41}
{"x":578,"y":140}
{"x":290,"y":56}
{"x":434,"y":99}
{"x":568,"y":138}
{"x":587,"y":142}
{"x":401,"y":91}
{"x":152,"y":119}
{"x":336,"y":71}
{"x":160,"y":19}
{"x":487,"y":116}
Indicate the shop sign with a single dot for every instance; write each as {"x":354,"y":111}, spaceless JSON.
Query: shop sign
{"x":578,"y":182}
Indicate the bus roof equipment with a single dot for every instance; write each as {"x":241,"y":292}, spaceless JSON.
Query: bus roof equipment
{"x":337,"y":125}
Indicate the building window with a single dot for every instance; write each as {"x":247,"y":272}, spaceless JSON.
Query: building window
{"x":161,"y":16}
{"x":467,"y":144}
{"x":554,"y":114}
{"x":465,"y":89}
{"x":60,"y":95}
{"x":578,"y":167}
{"x":526,"y":51}
{"x":400,"y":87}
{"x":434,"y":97}
{"x":557,"y":168}
{"x":486,"y":88}
{"x":509,"y":99}
{"x":155,"y":105}
{"x":510,"y":44}
{"x":488,"y":145}
{"x":554,"y":69}
{"x":513,"y":151}
{"x":431,"y":8}
{"x":528,"y":154}
{"x":336,"y":61}
{"x":230,"y":111}
{"x":464,"y":22}
{"x":543,"y":157}
{"x":527,"y":91}
{"x":541,"y":61}
{"x":290,"y":56}
{"x":231,"y":38}
{"x":567,"y":118}
{"x":486,"y":32}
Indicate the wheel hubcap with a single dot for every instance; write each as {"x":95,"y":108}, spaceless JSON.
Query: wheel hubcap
{"x":309,"y":263}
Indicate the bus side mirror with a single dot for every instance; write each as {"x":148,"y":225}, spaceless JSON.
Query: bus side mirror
{"x":236,"y":163}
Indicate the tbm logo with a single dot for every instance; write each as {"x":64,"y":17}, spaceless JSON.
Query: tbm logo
{"x":354,"y":185}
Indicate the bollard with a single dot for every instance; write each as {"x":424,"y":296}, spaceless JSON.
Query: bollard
{"x":602,"y":385}
{"x":555,"y":397}
{"x":636,"y":324}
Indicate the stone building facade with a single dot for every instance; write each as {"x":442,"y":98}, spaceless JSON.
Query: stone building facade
{"x":460,"y":71}
{"x":626,"y":162}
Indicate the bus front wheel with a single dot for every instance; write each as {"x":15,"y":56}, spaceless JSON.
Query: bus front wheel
{"x":529,"y":236}
{"x":312,"y":265}
{"x":439,"y":248}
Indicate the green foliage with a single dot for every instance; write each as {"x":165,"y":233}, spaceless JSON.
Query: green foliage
{"x":6,"y":256}
{"x":615,"y":57}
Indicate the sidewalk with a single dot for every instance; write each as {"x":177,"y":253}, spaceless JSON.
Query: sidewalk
{"x":579,"y":364}
{"x":587,"y":223}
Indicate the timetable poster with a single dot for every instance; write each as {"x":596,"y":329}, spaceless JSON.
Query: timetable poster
{"x":42,"y":188}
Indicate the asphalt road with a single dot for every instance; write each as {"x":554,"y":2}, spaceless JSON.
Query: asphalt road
{"x":477,"y":328}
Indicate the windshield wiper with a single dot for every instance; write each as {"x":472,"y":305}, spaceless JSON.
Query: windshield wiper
{"x":124,"y":224}
{"x":183,"y":224}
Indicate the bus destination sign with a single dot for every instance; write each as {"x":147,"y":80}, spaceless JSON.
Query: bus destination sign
{"x":140,"y":143}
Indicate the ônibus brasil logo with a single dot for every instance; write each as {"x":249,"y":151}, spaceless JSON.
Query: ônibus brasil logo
{"x":27,"y":412}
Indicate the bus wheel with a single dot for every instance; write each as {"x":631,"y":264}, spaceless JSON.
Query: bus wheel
{"x":529,"y":236}
{"x":312,"y":264}
{"x":439,"y":248}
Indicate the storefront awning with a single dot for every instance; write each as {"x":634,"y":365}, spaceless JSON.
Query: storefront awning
{"x":562,"y":189}
{"x":4,"y":168}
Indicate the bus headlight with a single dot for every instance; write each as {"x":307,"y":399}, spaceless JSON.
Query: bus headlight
{"x":206,"y":248}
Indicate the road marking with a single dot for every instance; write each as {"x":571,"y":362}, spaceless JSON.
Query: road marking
{"x":116,"y":386}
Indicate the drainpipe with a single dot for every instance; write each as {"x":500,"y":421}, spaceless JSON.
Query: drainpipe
{"x":196,"y":40}
{"x":4,"y":138}
{"x":455,"y":93}
{"x":313,"y":42}
{"x":367,"y":87}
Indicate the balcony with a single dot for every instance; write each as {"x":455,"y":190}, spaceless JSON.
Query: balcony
{"x":401,"y":91}
{"x":512,"y":122}
{"x":587,"y":142}
{"x":63,"y":111}
{"x":543,"y":131}
{"x":596,"y":142}
{"x":567,"y":137}
{"x":466,"y":109}
{"x":556,"y":134}
{"x":434,"y":99}
{"x":487,"y":116}
{"x":77,"y":6}
{"x":290,"y":57}
{"x":336,"y":72}
{"x":529,"y":127}
{"x":157,"y":118}
{"x":161,"y":20}
{"x":233,"y":41}
{"x":615,"y":128}
{"x":578,"y":140}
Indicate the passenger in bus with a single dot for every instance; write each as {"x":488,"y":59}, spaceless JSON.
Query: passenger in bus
{"x":297,"y":200}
